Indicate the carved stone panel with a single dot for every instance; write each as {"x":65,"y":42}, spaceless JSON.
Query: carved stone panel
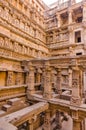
{"x":9,"y":78}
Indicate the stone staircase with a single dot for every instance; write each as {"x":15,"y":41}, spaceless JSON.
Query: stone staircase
{"x":11,"y":106}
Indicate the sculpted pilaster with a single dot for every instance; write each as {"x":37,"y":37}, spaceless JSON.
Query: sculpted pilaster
{"x":47,"y":82}
{"x":47,"y":125}
{"x":77,"y":125}
{"x":54,"y":78}
{"x":59,"y":20}
{"x":39,"y":75}
{"x":31,"y":88}
{"x":77,"y":122}
{"x":70,"y":78}
{"x":9,"y":78}
{"x":6,"y":13}
{"x":30,"y":125}
{"x":70,"y":16}
{"x":1,"y":41}
{"x":58,"y":81}
{"x":58,"y":120}
{"x":7,"y":42}
{"x":1,"y":11}
{"x":71,"y":35}
{"x":19,"y":78}
{"x":16,"y":46}
{"x":76,"y":99}
{"x":84,"y":12}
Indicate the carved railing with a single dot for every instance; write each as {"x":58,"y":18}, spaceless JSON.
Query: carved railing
{"x":58,"y":45}
{"x":63,"y":5}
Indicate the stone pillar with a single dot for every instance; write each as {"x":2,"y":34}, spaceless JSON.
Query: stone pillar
{"x":47,"y":83}
{"x":76,"y":99}
{"x":59,"y":81}
{"x":30,"y":125}
{"x":77,"y":124}
{"x":31,"y":88}
{"x":81,"y":85}
{"x":43,"y":80}
{"x":54,"y":78}
{"x":83,"y":124}
{"x":70,"y":17}
{"x":71,"y":37}
{"x":18,"y":78}
{"x":58,"y":120}
{"x":70,"y":78}
{"x":38,"y":78}
{"x":59,"y":20}
{"x":27,"y":78}
{"x":84,"y":12}
{"x":9,"y":78}
{"x":84,"y":78}
{"x":54,"y":36}
{"x":47,"y":125}
{"x":39,"y":75}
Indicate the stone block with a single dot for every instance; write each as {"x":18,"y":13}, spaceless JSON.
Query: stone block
{"x":14,"y":101}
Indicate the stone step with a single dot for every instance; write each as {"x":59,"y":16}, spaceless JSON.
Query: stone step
{"x":14,"y":101}
{"x":2,"y":112}
{"x":6,"y":107}
{"x":13,"y":105}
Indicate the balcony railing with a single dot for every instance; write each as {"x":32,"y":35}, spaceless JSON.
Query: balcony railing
{"x":57,"y":45}
{"x":63,"y":5}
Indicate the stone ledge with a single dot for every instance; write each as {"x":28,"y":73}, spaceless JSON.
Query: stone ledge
{"x":6,"y":126}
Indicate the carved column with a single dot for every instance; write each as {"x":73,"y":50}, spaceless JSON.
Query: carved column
{"x":70,"y":78}
{"x":59,"y":81}
{"x":30,"y":125}
{"x":71,"y":37}
{"x":47,"y":83}
{"x":27,"y":78}
{"x":77,"y":122}
{"x":59,"y":20}
{"x":76,"y":99}
{"x":18,"y":78}
{"x":84,"y":12}
{"x":31,"y":89}
{"x":84,"y":79}
{"x":47,"y":125}
{"x":70,"y":16}
{"x":77,"y":125}
{"x":39,"y":75}
{"x":54,"y":78}
{"x":58,"y":120}
{"x":81,"y":85}
{"x":9,"y":78}
{"x":54,"y":36}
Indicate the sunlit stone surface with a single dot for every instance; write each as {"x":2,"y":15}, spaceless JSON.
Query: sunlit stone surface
{"x":42,"y":65}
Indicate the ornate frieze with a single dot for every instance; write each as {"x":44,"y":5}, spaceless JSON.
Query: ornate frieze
{"x":11,"y":17}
